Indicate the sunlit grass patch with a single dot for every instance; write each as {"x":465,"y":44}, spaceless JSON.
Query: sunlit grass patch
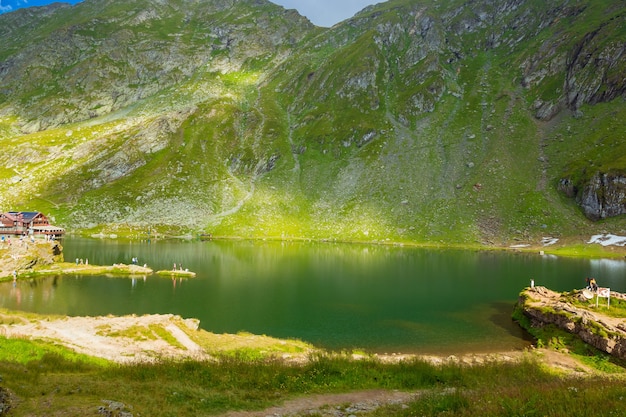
{"x":135,"y":332}
{"x":583,"y":250}
{"x":252,"y":346}
{"x":23,"y":351}
{"x":162,"y":333}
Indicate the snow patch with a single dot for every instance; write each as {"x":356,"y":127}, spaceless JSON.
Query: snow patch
{"x":608,"y":240}
{"x":547,"y":241}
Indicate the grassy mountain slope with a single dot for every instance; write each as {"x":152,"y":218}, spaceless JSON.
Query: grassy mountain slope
{"x":414,"y":121}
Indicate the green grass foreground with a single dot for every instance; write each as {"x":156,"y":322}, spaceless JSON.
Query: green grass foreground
{"x":48,"y":380}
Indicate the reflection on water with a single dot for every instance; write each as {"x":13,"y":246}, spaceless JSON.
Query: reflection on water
{"x":382,"y":299}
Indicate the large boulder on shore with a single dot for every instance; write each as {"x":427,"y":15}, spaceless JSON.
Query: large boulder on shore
{"x":23,"y":254}
{"x":544,"y":306}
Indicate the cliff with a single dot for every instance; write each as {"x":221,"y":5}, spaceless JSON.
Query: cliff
{"x":23,"y":255}
{"x":603,"y":196}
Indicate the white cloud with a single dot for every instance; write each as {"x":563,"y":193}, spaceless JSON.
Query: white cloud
{"x":6,"y":6}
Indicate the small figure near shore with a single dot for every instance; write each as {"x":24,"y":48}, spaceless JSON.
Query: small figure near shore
{"x":591,"y":284}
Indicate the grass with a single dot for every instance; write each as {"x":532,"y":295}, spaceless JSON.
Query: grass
{"x":141,"y":333}
{"x":552,"y":337}
{"x":48,"y":378}
{"x":239,"y":345}
{"x":46,"y":355}
{"x":617,"y":307}
{"x":553,"y":398}
{"x":580,"y":250}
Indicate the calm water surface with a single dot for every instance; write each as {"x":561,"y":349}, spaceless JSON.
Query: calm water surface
{"x":382,"y":299}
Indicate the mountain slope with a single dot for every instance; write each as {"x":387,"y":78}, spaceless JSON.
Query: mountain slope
{"x":412,"y":121}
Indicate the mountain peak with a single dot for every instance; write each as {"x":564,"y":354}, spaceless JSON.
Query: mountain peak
{"x":412,"y":121}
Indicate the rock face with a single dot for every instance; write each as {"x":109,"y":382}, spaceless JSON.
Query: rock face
{"x":23,"y":255}
{"x":544,"y":307}
{"x":80,"y":70}
{"x":601,"y":197}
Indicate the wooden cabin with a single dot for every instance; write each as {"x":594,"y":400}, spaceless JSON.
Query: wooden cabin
{"x":28,"y":223}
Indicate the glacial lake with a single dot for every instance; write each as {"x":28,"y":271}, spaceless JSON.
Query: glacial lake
{"x":381,"y":299}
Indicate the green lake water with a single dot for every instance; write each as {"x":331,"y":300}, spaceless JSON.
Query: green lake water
{"x":338,"y":296}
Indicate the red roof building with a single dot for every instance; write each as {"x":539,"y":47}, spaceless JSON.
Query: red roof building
{"x":27,"y":223}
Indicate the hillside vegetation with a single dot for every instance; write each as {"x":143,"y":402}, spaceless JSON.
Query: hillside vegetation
{"x":482,"y":122}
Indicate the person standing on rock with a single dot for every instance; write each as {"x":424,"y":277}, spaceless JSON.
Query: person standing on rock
{"x":591,"y":284}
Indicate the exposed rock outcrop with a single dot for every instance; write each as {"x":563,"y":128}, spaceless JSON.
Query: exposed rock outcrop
{"x":544,"y":307}
{"x":5,"y":401}
{"x":603,"y":196}
{"x":21,"y":255}
{"x":591,"y":65}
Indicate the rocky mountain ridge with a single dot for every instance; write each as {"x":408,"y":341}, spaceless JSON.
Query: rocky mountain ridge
{"x":106,"y":59}
{"x":411,"y":121}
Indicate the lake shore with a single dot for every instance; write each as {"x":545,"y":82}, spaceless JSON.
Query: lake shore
{"x":156,"y":337}
{"x":602,"y":245}
{"x":49,"y":265}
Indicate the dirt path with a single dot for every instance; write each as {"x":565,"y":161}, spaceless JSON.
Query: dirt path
{"x":358,"y":402}
{"x":124,"y":339}
{"x":335,"y":405}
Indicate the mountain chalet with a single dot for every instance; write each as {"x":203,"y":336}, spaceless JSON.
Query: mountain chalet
{"x":28,"y":223}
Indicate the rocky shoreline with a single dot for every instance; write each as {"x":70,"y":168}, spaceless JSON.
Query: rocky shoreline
{"x":590,"y":323}
{"x":65,"y":268}
{"x":25,"y":255}
{"x":29,"y":259}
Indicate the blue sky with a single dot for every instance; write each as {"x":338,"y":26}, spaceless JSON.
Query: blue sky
{"x":11,"y":5}
{"x":326,"y":12}
{"x":320,"y":12}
